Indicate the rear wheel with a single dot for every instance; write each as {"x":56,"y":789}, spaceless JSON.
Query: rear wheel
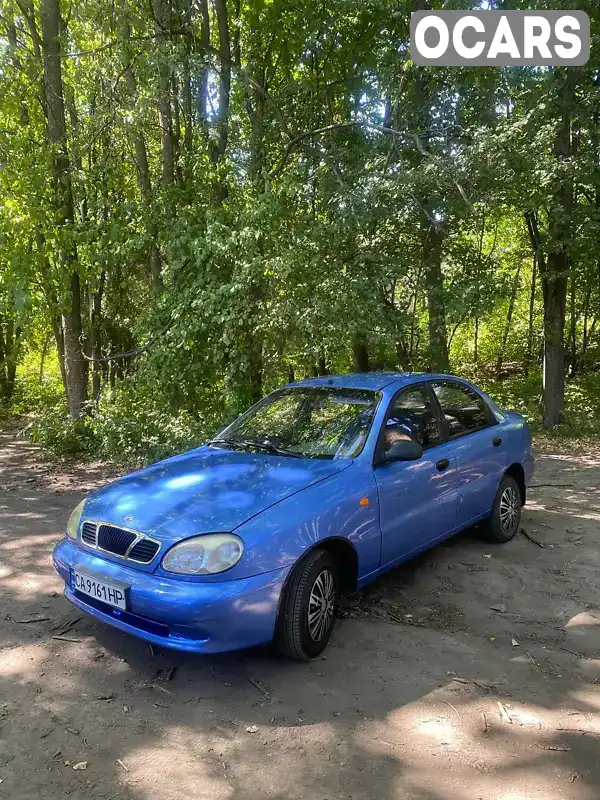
{"x":505,"y":519}
{"x":307,"y":613}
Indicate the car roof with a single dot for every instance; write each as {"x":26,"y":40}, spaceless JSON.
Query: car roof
{"x":363,"y":380}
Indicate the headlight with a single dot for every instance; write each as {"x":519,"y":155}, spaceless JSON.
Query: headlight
{"x":204,"y":555}
{"x":75,"y":519}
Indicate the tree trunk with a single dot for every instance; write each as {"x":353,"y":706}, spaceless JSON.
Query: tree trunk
{"x":558,"y":266}
{"x":11,"y":35}
{"x":554,"y":358}
{"x":360,"y":354}
{"x":3,"y":372}
{"x":586,"y":317}
{"x":162,"y":15}
{"x":573,"y":330}
{"x":12,"y":342}
{"x":47,"y":338}
{"x":96,"y":336}
{"x":322,"y":365}
{"x":75,"y":368}
{"x":478,"y":289}
{"x":403,"y":356}
{"x":224,"y":80}
{"x":63,"y":199}
{"x":186,"y":89}
{"x":434,"y":282}
{"x":59,"y":338}
{"x":145,"y":184}
{"x":431,"y":231}
{"x":205,"y":43}
{"x":167,"y":137}
{"x":509,"y":316}
{"x":414,"y":320}
{"x":529,"y":346}
{"x":10,"y":337}
{"x":48,"y":283}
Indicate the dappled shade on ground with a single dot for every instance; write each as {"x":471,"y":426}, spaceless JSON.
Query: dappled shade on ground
{"x":423,"y":693}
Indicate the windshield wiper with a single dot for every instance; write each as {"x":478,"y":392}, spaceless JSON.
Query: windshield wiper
{"x":269,"y":447}
{"x":228,"y":443}
{"x":266,"y":446}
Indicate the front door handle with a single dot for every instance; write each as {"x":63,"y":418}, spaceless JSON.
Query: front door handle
{"x":496,"y":441}
{"x":442,"y":464}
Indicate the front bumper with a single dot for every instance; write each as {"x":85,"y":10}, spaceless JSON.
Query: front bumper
{"x":185,"y":615}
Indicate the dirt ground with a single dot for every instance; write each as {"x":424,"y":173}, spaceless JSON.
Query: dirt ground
{"x":470,"y":673}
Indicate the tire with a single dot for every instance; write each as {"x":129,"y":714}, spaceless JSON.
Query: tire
{"x":313,"y":588}
{"x":504,"y":522}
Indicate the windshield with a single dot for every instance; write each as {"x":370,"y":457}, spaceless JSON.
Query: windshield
{"x":305,"y":422}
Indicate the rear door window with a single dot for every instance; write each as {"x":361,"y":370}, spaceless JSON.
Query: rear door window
{"x":464,"y":410}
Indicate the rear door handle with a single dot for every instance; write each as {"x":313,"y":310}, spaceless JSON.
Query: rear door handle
{"x":496,"y":441}
{"x":442,"y":464}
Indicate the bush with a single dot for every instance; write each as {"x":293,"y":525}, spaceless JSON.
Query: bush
{"x":60,"y":434}
{"x":133,"y":429}
{"x":129,"y":428}
{"x":134,"y":426}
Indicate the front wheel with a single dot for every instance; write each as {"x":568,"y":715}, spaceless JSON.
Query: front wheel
{"x":307,"y":613}
{"x":505,"y":519}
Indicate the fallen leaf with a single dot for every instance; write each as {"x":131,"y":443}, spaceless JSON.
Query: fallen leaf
{"x":515,"y":643}
{"x":80,"y":765}
{"x":505,"y":716}
{"x":252,"y":729}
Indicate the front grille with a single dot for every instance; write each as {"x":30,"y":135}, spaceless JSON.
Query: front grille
{"x":88,"y":533}
{"x":115,"y":540}
{"x":119,"y":541}
{"x":144,"y":551}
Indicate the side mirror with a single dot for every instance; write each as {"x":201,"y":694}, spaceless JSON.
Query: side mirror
{"x":403,"y":450}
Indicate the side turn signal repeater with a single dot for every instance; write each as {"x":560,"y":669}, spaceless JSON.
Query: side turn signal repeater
{"x":364,"y":501}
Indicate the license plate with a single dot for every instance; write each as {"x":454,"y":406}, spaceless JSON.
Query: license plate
{"x":100,"y":590}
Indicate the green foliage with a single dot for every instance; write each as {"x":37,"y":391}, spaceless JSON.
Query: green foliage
{"x":34,"y":396}
{"x":275,"y":218}
{"x":129,"y":429}
{"x":134,"y":429}
{"x":59,"y":434}
{"x":582,"y":405}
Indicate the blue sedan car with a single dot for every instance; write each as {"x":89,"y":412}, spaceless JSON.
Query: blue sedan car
{"x":316,"y":490}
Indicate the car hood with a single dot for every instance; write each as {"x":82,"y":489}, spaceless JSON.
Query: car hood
{"x":205,"y":490}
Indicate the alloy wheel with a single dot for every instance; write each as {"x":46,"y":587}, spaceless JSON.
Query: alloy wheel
{"x":321,"y":605}
{"x":509,"y":508}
